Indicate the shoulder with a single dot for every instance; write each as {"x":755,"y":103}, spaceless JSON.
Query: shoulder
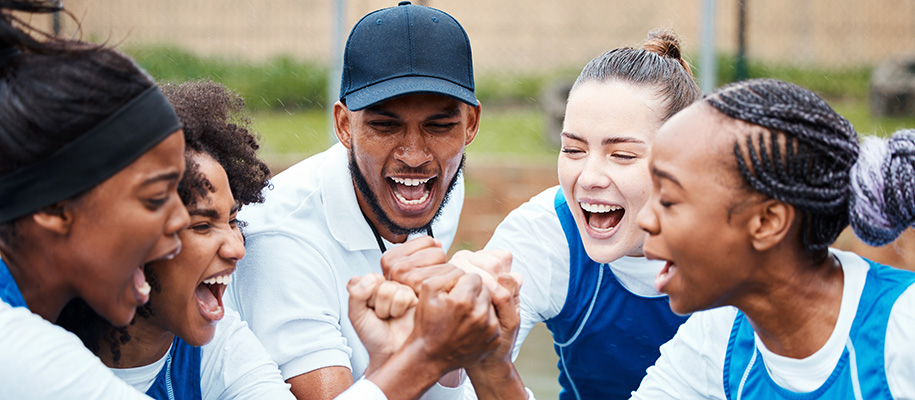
{"x":42,"y":360}
{"x":236,"y":365}
{"x":293,"y":194}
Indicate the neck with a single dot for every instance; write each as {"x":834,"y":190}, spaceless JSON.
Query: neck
{"x":796,"y":304}
{"x":38,"y":275}
{"x":148,"y":343}
{"x":375,"y":222}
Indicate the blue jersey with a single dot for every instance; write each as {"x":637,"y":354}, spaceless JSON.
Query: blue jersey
{"x":180,"y":378}
{"x":860,"y":372}
{"x":606,"y":336}
{"x":9,"y":290}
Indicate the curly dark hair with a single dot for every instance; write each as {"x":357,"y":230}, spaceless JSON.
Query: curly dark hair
{"x":214,"y":124}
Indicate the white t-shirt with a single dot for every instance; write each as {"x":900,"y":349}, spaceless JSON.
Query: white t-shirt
{"x":303,"y":245}
{"x":40,"y":360}
{"x":234,"y":365}
{"x":533,"y":234}
{"x":691,"y":364}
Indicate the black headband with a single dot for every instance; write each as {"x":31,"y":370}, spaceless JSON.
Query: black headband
{"x":95,"y":156}
{"x":8,"y":54}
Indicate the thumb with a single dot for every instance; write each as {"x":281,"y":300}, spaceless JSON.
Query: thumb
{"x":361,"y":289}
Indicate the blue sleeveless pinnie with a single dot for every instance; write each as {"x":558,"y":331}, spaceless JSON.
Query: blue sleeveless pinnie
{"x":180,"y":378}
{"x":860,"y":372}
{"x":606,"y":336}
{"x":9,"y":290}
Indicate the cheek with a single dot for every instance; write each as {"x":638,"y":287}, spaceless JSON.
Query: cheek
{"x":568,"y":171}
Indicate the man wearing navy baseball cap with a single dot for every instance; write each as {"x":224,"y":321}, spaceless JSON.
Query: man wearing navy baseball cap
{"x":406,"y":112}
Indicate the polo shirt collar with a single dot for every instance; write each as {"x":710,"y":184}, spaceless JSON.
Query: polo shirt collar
{"x":341,"y":209}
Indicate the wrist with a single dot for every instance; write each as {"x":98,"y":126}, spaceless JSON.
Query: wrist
{"x":407,"y":373}
{"x":496,"y":380}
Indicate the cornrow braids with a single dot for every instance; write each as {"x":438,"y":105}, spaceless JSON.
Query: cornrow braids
{"x":658,"y":64}
{"x":883,"y":188}
{"x":803,"y":156}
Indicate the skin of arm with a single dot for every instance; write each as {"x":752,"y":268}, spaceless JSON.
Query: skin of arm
{"x":495,"y":376}
{"x":454,"y":326}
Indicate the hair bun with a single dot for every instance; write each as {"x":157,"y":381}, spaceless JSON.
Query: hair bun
{"x":666,"y":43}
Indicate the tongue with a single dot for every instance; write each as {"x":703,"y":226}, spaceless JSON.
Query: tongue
{"x":206,"y":298}
{"x":605,"y":220}
{"x":410,"y":192}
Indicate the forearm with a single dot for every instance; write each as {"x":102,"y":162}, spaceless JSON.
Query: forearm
{"x":407,"y":373}
{"x":498,"y":380}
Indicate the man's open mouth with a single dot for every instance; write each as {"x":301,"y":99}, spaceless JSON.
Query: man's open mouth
{"x":412,"y":192}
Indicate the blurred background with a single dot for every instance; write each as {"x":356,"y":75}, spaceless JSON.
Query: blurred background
{"x":283,"y":57}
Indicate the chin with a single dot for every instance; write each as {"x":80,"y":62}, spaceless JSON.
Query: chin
{"x":200,"y":337}
{"x":604,"y":251}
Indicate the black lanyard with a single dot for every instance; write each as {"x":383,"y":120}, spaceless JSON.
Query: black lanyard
{"x":381,"y":245}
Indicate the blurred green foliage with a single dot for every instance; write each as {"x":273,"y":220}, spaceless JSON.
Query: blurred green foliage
{"x":280,"y":83}
{"x":289,"y":97}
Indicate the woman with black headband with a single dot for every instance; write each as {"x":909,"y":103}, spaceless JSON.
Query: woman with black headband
{"x":90,"y":158}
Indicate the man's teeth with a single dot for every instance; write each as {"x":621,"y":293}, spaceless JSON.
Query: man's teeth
{"x":599,"y":208}
{"x":221,"y":279}
{"x":144,"y":290}
{"x":411,"y":202}
{"x":410,"y":182}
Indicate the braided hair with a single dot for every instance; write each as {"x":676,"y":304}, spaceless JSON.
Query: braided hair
{"x":658,"y":64}
{"x":803,"y":156}
{"x":883,"y":188}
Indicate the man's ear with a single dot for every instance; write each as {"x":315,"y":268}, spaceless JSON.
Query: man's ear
{"x":473,"y":123}
{"x":341,"y":123}
{"x":57,"y":218}
{"x":771,"y":224}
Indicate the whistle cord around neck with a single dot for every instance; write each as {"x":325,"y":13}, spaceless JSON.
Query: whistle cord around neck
{"x":378,"y":239}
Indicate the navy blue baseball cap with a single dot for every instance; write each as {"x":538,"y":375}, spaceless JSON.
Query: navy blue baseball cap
{"x":404,"y":50}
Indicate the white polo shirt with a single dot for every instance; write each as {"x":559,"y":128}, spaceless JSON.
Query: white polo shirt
{"x":303,"y":245}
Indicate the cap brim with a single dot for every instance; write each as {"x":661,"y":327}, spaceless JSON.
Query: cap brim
{"x":404,"y":86}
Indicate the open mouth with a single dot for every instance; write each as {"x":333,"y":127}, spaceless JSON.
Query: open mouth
{"x":140,"y":285}
{"x":412,"y":194}
{"x":664,"y":276}
{"x":209,"y":295}
{"x":602,"y":218}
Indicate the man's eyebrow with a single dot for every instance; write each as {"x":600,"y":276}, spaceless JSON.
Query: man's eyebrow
{"x":665,"y":175}
{"x":381,"y":112}
{"x":165,"y":176}
{"x":447,"y":113}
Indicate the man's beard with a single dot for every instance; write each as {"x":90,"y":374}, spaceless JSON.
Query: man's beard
{"x":382,"y":217}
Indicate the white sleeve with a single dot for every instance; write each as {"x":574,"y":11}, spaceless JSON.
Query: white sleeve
{"x":534,"y":236}
{"x":691,"y":363}
{"x":287,"y":291}
{"x":236,"y":366}
{"x":363,"y":389}
{"x":900,"y":346}
{"x":540,"y":253}
{"x":39,"y":360}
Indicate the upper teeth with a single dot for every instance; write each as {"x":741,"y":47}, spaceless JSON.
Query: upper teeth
{"x":221,"y":279}
{"x":410,"y":182}
{"x":599,"y":208}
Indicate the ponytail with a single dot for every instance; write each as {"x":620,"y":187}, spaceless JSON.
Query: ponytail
{"x":883,"y":188}
{"x":658,"y":64}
